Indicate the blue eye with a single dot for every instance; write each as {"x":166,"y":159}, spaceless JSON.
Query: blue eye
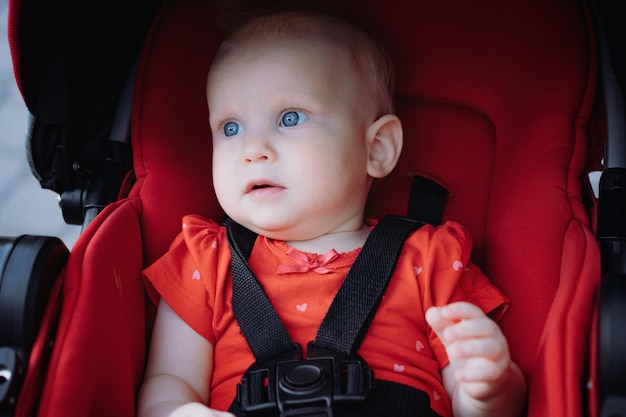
{"x":231,"y":129}
{"x":293,"y":118}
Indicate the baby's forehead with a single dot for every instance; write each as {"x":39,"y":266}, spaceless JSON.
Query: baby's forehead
{"x":353,"y":52}
{"x":286,"y":58}
{"x":316,"y":50}
{"x":287,"y":45}
{"x":309,"y":29}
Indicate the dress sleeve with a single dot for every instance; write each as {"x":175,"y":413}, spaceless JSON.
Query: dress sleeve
{"x":442,"y":255}
{"x":184,"y":277}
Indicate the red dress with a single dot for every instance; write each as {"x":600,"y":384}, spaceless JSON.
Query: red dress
{"x":193,"y":277}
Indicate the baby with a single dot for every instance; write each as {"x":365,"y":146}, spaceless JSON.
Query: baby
{"x":301,"y":114}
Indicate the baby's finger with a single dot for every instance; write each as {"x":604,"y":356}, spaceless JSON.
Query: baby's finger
{"x":482,"y":327}
{"x":437,"y":321}
{"x":480,"y":369}
{"x":461,"y":311}
{"x":491,"y":349}
{"x":444,"y":321}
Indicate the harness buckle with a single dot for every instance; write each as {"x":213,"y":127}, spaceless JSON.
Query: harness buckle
{"x":292,"y":386}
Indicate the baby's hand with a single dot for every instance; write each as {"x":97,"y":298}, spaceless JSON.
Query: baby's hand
{"x":198,"y":410}
{"x":476,"y":347}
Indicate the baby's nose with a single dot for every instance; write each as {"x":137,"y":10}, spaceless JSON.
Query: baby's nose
{"x":257,"y":149}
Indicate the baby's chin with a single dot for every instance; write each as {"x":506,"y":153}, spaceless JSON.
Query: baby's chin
{"x":318,"y":240}
{"x":276,"y":230}
{"x":284,"y":235}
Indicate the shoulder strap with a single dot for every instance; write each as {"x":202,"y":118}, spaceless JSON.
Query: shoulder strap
{"x":351,"y":311}
{"x":357,"y":300}
{"x":273,"y":339}
{"x":427,"y":200}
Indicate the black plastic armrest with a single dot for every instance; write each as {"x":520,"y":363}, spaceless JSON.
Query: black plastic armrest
{"x":29,"y":266}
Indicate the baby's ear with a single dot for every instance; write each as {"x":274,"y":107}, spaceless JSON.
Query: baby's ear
{"x":384,"y":140}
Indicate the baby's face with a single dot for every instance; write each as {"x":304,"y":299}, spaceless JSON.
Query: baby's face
{"x":289,"y":139}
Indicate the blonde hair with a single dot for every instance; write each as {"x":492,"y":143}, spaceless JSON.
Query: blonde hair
{"x":368,"y":56}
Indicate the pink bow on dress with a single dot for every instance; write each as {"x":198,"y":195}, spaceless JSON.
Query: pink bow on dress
{"x":304,"y":264}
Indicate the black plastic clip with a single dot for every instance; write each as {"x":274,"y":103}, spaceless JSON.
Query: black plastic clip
{"x":311,"y":387}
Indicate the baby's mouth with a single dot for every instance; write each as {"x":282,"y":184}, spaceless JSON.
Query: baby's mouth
{"x":260,"y":185}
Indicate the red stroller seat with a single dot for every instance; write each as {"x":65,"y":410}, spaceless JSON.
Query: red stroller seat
{"x":495,"y":100}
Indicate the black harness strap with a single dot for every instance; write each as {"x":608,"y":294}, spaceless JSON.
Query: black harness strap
{"x":273,"y":339}
{"x":389,"y":399}
{"x":427,"y":200}
{"x":352,"y":309}
{"x":355,"y":304}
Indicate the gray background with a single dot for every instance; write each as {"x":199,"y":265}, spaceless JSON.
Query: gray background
{"x":25,"y":208}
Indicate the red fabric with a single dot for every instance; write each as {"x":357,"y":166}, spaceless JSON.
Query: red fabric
{"x":561,"y":372}
{"x":193,"y":277}
{"x":171,"y":135}
{"x":39,"y":359}
{"x":495,"y":99}
{"x":99,"y":349}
